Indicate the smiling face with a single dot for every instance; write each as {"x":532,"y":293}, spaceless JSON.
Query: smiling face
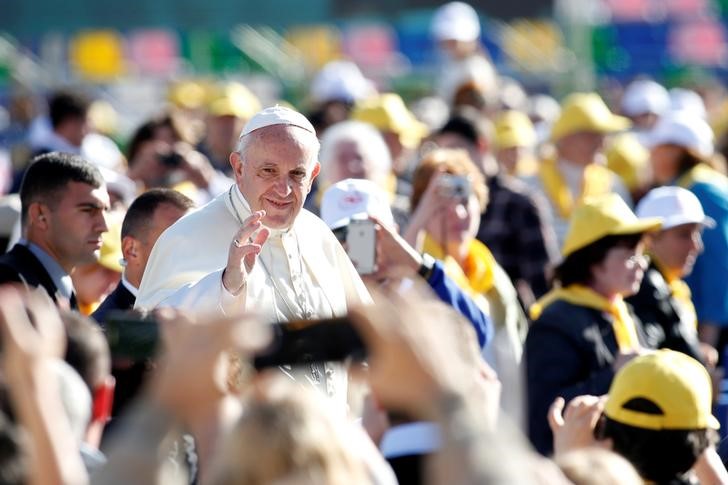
{"x":275,"y":172}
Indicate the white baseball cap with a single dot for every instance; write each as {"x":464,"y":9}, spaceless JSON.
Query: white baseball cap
{"x":682,"y":99}
{"x":354,"y":199}
{"x":645,"y":96}
{"x":341,"y":81}
{"x":276,"y":115}
{"x":685,"y":129}
{"x":456,"y":21}
{"x":675,"y":205}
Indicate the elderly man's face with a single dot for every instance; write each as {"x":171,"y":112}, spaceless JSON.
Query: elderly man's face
{"x":276,"y":173}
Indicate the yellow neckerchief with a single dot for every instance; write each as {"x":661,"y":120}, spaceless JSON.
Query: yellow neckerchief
{"x":624,"y":327}
{"x":679,"y":290}
{"x":476,"y":273}
{"x":699,"y":173}
{"x":597,"y":180}
{"x":87,"y":308}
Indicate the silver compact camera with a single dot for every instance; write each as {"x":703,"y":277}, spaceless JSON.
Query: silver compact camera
{"x":454,"y":186}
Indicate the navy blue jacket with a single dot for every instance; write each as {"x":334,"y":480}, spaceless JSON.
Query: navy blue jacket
{"x":569,"y":351}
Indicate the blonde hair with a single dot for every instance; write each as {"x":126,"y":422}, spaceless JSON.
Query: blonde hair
{"x":287,"y":434}
{"x":454,"y":162}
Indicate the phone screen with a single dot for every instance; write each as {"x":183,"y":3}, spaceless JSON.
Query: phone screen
{"x":361,"y":245}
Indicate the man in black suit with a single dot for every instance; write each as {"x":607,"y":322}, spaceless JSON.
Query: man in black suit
{"x":147,"y":217}
{"x":63,"y":203}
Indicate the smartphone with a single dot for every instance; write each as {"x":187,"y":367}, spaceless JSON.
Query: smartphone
{"x":454,"y":186}
{"x":135,"y":336}
{"x":361,"y":242}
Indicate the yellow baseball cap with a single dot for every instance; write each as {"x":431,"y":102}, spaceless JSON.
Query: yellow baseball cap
{"x":586,"y":112}
{"x":514,"y":129}
{"x":678,"y":386}
{"x":629,"y":159}
{"x":110,"y":254}
{"x":232,"y":99}
{"x":604,"y":215}
{"x":387,"y":112}
{"x":187,"y":94}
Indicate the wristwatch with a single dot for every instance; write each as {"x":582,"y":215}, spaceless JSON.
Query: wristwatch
{"x":427,"y":266}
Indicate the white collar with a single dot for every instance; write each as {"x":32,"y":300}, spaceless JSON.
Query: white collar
{"x":134,"y":291}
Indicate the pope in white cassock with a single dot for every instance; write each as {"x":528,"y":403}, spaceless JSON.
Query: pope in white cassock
{"x":254,"y":248}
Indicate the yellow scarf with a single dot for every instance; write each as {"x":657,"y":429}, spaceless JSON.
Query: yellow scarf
{"x":87,"y":308}
{"x":597,"y":180}
{"x":699,"y":173}
{"x":679,"y":290}
{"x":624,"y":327}
{"x":476,"y":273}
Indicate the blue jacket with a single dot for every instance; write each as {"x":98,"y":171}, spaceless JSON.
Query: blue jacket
{"x":707,"y":280}
{"x":449,"y":292}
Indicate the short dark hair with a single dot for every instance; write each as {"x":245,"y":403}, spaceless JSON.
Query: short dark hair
{"x":658,"y":455}
{"x":576,"y":267}
{"x":148,"y":130}
{"x":87,"y":350}
{"x":469,"y":124}
{"x":143,"y":208}
{"x":64,"y":105}
{"x":48,"y":174}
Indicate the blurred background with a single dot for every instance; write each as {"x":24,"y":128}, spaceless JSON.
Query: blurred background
{"x":129,"y":54}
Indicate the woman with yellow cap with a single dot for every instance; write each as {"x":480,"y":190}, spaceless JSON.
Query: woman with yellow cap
{"x":448,"y":196}
{"x":583,"y":331}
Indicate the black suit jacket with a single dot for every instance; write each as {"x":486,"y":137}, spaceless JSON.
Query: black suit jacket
{"x":664,"y":320}
{"x":129,"y":378}
{"x":19,"y":265}
{"x":119,"y":299}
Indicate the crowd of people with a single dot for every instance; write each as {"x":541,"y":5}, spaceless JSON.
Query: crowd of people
{"x":479,"y":288}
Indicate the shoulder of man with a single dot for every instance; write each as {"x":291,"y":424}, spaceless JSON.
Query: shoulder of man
{"x":17,"y":264}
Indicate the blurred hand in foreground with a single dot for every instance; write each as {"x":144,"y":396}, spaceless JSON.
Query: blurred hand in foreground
{"x":195,"y":365}
{"x":33,"y":339}
{"x":421,"y":351}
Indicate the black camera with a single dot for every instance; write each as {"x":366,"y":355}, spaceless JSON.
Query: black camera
{"x":171,"y":160}
{"x":135,"y":336}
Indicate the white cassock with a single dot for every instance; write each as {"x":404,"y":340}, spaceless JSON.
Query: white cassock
{"x":302,"y":272}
